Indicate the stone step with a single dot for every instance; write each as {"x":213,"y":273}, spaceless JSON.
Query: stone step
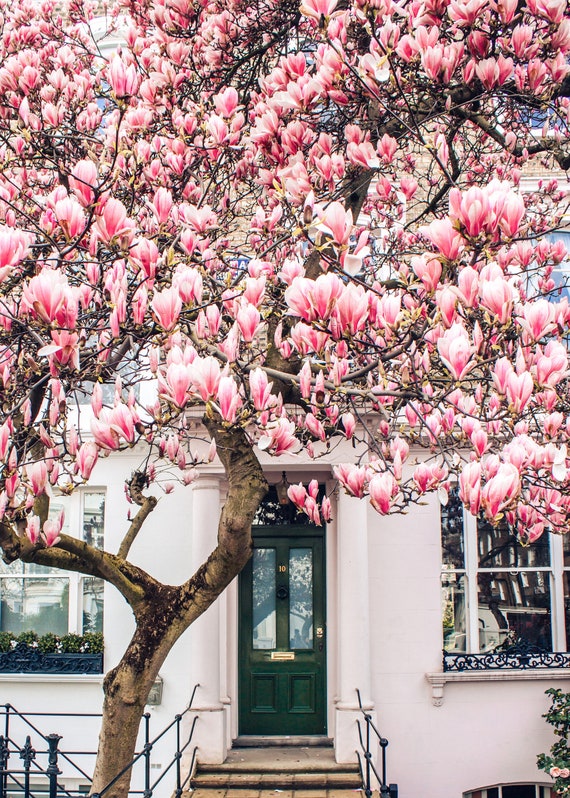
{"x":296,"y":741}
{"x":277,"y":781}
{"x":299,"y":759}
{"x":213,"y":792}
{"x":255,"y":793}
{"x":284,"y":769}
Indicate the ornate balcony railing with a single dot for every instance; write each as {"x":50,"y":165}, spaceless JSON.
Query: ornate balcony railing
{"x":521,"y":655}
{"x":26,"y":659}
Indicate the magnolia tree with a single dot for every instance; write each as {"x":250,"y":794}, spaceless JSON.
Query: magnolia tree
{"x":305,"y":224}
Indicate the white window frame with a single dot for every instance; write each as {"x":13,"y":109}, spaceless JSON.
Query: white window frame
{"x":556,"y":572}
{"x":73,"y":525}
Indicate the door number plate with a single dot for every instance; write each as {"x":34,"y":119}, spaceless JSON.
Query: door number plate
{"x":282,"y":655}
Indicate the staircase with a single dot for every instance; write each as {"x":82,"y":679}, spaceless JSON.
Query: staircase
{"x":299,"y":771}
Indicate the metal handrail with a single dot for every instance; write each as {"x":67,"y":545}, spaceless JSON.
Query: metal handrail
{"x":20,"y":777}
{"x":369,"y":768}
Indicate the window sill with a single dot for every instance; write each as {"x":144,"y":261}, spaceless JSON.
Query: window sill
{"x":439,"y":680}
{"x":53,"y":678}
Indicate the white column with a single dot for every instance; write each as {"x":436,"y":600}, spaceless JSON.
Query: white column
{"x":353,"y":623}
{"x":205,"y":642}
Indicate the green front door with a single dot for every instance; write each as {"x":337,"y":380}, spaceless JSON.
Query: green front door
{"x":282,"y":651}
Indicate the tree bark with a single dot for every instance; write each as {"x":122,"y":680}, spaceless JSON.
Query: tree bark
{"x":166,"y":611}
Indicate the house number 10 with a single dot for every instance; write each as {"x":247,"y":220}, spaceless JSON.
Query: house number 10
{"x":282,"y":569}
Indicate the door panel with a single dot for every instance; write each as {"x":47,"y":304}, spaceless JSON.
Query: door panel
{"x":282,"y":651}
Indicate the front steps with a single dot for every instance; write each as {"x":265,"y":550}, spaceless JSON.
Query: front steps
{"x":280,"y":771}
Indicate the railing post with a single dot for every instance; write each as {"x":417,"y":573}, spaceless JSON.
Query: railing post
{"x":147,"y":752}
{"x":4,"y":754}
{"x":178,"y":756}
{"x":368,"y":755}
{"x":52,"y":769}
{"x":27,"y":755}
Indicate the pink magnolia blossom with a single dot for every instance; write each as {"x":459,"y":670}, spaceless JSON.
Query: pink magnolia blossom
{"x":353,"y":478}
{"x":228,"y":398}
{"x":382,"y":489}
{"x":33,"y":529}
{"x":260,"y":389}
{"x":83,"y":181}
{"x":14,"y":246}
{"x":470,"y":487}
{"x":166,"y":306}
{"x":445,"y":237}
{"x":456,"y":351}
{"x":497,"y":296}
{"x":206,"y":375}
{"x":113,"y":225}
{"x":87,"y":458}
{"x":279,"y":438}
{"x":123,"y":79}
{"x":500,"y":490}
{"x":51,"y":533}
{"x":249,"y":321}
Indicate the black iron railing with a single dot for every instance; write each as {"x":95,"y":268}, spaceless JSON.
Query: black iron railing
{"x":24,"y":659}
{"x":33,"y":771}
{"x":366,"y":758}
{"x":519,"y":655}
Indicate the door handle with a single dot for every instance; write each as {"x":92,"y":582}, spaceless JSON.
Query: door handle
{"x":320,"y":632}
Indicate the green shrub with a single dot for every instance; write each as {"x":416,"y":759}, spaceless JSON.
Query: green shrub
{"x":6,"y":639}
{"x":89,"y":643}
{"x":70,"y":644}
{"x":557,"y":764}
{"x":93,"y":642}
{"x":47,"y":644}
{"x":29,"y":638}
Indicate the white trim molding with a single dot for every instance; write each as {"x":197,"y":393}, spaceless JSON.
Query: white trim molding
{"x":439,"y":680}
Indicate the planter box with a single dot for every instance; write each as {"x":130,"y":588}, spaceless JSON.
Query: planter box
{"x":25,"y":659}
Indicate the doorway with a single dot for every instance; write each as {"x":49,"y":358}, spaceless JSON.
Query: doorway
{"x":282,"y":634}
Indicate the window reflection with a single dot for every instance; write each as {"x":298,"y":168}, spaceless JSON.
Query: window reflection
{"x":263,"y":593}
{"x":453,"y":612}
{"x":301,"y":598}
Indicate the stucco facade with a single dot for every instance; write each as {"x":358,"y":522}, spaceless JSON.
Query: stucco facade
{"x":448,"y":734}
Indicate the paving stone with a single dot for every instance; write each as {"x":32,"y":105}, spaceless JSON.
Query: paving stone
{"x":236,"y":792}
{"x":207,"y":793}
{"x":277,"y":794}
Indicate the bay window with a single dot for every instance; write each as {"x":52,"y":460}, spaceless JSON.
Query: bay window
{"x":40,"y":599}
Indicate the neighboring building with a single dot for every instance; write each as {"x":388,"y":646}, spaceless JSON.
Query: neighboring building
{"x":367,"y":602}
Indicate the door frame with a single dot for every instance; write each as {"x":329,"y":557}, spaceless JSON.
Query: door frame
{"x":284,"y":532}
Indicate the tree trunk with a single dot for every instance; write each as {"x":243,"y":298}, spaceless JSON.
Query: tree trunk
{"x":166,"y":611}
{"x":126,"y":688}
{"x":126,"y":692}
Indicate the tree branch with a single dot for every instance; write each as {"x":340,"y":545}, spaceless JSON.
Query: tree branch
{"x":146,"y":504}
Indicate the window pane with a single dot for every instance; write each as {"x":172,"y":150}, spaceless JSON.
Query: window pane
{"x":566,"y":548}
{"x":56,"y":505}
{"x":93,"y":519}
{"x":301,"y":598}
{"x":519,"y":791}
{"x":39,"y":605}
{"x":453,"y":612}
{"x":264,"y":615}
{"x":567,"y":607}
{"x":499,"y":546}
{"x":452,"y":532}
{"x":93,"y":587}
{"x":514,"y":607}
